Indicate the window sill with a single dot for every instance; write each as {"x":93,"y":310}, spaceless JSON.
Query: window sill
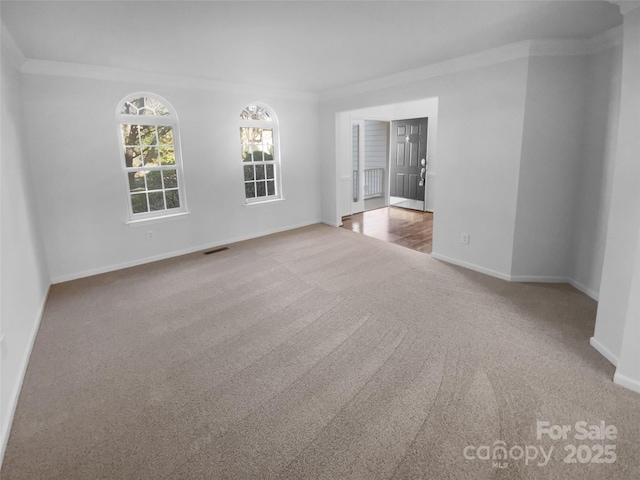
{"x":148,"y":220}
{"x":274,"y":200}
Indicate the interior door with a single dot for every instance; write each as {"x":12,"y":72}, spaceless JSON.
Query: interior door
{"x":357,"y":166}
{"x":408,"y":163}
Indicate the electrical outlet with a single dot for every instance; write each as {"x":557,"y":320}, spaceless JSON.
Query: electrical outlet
{"x":465,"y":238}
{"x":150,"y":234}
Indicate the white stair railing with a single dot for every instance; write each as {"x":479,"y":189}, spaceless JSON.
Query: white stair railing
{"x":373,"y":182}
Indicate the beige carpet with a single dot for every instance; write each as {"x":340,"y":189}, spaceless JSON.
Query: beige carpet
{"x":316,"y":353}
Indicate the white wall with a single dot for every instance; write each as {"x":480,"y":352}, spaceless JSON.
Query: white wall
{"x":24,"y":279}
{"x":616,"y":311}
{"x":628,"y":371}
{"x":479,"y":136}
{"x":80,"y":186}
{"x":596,"y":169}
{"x":549,"y":167}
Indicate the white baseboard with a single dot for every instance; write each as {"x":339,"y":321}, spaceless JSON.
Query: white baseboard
{"x":15,"y":394}
{"x":332,"y":224}
{"x":604,"y":351}
{"x":471,"y":266}
{"x":518,"y":278}
{"x":538,"y":279}
{"x":175,"y":253}
{"x":627,"y":382}
{"x":586,"y":290}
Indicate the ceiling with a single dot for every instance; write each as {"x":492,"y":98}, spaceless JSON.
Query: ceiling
{"x":303,"y":45}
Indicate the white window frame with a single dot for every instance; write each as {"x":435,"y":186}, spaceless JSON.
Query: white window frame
{"x":273,"y":125}
{"x":170,"y":120}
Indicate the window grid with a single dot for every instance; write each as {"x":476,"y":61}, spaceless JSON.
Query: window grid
{"x":258,"y":132}
{"x":150,"y":157}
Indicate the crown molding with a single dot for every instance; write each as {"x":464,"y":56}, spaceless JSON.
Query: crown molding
{"x":513,"y":51}
{"x":95,"y":72}
{"x":493,"y":56}
{"x":626,"y":6}
{"x":10,"y":49}
{"x":609,"y":39}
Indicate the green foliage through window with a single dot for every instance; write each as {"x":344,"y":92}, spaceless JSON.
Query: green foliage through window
{"x":149,"y":156}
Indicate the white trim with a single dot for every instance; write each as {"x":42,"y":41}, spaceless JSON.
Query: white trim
{"x":273,"y":200}
{"x":626,"y":6}
{"x":517,"y":278}
{"x":171,"y":121}
{"x":175,"y":253}
{"x":14,"y":54}
{"x":610,"y":38}
{"x":505,"y":53}
{"x":493,"y":56}
{"x":537,"y":279}
{"x":551,"y":47}
{"x":586,"y":290}
{"x":276,"y":161}
{"x":66,"y":69}
{"x":15,"y":394}
{"x":626,"y":382}
{"x":471,"y":266}
{"x":332,"y":224}
{"x":604,"y":351}
{"x":148,"y":220}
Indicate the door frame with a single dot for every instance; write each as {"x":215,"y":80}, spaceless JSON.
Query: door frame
{"x":357,"y":205}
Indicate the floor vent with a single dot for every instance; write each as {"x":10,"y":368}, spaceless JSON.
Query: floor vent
{"x":216,"y":250}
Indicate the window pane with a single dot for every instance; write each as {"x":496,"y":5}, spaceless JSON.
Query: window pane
{"x":167,"y":156}
{"x":259,"y":172}
{"x":150,"y":155}
{"x":246,"y":154}
{"x":139,"y":203}
{"x":249,"y":190}
{"x":257,"y":155}
{"x":148,"y":135}
{"x":267,"y":136}
{"x":130,"y":135}
{"x":132,"y":157}
{"x":166,"y":135}
{"x":154,"y":182}
{"x":173,"y":199}
{"x":143,"y":106}
{"x":250,"y":135}
{"x":136,"y":182}
{"x":255,"y":112}
{"x":155,"y":106}
{"x":156,"y":201}
{"x":270,"y":172}
{"x":271,"y":187}
{"x":261,"y":189}
{"x":248,"y":173}
{"x":170,"y":178}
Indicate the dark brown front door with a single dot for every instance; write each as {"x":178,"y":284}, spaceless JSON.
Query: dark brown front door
{"x":408,"y":150}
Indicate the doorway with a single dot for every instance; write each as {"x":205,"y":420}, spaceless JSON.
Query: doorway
{"x":350,"y":155}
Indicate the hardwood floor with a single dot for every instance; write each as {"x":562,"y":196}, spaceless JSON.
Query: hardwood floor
{"x":409,"y":228}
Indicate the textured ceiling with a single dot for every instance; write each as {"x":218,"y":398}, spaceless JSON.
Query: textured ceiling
{"x":308,"y":46}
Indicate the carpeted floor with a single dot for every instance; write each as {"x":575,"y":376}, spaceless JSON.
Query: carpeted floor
{"x":315,"y":353}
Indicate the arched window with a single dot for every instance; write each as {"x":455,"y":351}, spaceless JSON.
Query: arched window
{"x":150,"y":146}
{"x":260,"y":154}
